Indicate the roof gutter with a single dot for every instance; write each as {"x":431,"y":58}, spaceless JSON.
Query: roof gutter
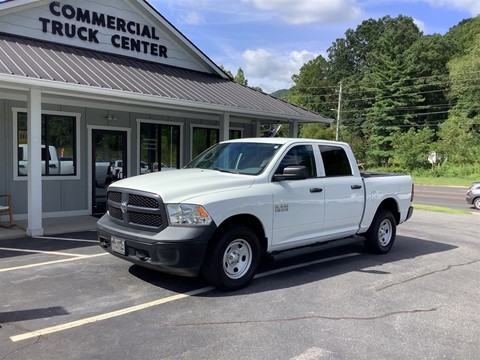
{"x":89,"y":92}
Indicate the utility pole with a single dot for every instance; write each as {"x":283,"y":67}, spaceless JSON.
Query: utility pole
{"x":338,"y":111}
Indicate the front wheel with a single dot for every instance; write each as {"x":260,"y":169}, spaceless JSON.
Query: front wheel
{"x":476,"y":203}
{"x":381,"y":234}
{"x":232,"y":258}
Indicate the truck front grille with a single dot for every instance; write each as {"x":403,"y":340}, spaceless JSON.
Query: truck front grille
{"x":136,"y":209}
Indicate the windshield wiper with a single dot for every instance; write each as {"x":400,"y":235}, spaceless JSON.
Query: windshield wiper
{"x":225,"y":170}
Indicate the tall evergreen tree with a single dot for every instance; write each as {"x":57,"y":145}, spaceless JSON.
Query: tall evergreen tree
{"x":387,"y":81}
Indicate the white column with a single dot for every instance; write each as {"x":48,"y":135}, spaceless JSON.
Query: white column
{"x":293,"y":129}
{"x":224,"y":127}
{"x":34,"y":127}
{"x":258,"y":129}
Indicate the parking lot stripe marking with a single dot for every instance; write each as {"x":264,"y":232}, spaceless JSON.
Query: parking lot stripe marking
{"x":109,"y":315}
{"x":80,"y":257}
{"x":77,"y":323}
{"x":288,"y":268}
{"x":65,"y":239}
{"x":43,"y":252}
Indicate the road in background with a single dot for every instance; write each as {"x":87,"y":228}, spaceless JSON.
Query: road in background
{"x":452,"y":197}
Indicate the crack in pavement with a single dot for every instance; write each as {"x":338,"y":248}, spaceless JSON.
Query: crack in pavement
{"x":7,"y":355}
{"x":300,"y":318}
{"x":449,"y":267}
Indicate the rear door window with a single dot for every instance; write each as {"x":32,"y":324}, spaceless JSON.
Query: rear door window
{"x":335,"y":161}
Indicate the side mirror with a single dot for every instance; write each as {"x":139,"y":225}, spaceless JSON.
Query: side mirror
{"x":296,"y":172}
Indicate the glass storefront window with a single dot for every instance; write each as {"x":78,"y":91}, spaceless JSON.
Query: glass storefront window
{"x":159,"y":147}
{"x":59,"y":156}
{"x":203,"y":138}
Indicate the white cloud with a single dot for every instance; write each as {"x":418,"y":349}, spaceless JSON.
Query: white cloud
{"x":309,"y":11}
{"x":192,"y":18}
{"x":272,"y":71}
{"x":472,"y":6}
{"x":420,"y":24}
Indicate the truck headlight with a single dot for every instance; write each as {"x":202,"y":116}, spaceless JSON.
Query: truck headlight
{"x":187,"y":214}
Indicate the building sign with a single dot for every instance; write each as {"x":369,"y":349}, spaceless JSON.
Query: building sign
{"x":129,"y":36}
{"x":121,"y":27}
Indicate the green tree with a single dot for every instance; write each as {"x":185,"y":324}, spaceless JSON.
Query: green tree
{"x":460,"y":134}
{"x":389,"y":85}
{"x":313,"y":91}
{"x":240,"y":77}
{"x":412,"y":148}
{"x":462,"y":36}
{"x":311,"y":88}
{"x":317,"y":131}
{"x":427,"y":62}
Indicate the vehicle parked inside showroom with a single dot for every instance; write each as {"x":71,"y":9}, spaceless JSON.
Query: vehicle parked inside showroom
{"x":473,"y":195}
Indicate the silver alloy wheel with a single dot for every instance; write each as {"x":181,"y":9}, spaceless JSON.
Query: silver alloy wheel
{"x":237,"y":259}
{"x":476,"y":203}
{"x":385,"y":232}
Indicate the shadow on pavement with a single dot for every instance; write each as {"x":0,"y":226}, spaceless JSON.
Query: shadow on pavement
{"x":404,"y":248}
{"x":31,"y":314}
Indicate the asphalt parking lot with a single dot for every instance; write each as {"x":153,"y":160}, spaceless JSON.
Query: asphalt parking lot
{"x":64,"y":298}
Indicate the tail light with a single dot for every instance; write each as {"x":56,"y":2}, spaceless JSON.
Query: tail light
{"x":412,"y":193}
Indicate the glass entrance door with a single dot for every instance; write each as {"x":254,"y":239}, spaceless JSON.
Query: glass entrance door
{"x":109,"y":164}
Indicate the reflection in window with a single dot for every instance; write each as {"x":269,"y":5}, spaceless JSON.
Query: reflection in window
{"x":299,"y":155}
{"x":58,"y":145}
{"x":159,"y":147}
{"x":203,"y":138}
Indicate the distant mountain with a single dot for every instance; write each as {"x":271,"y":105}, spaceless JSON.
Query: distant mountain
{"x":280,"y":94}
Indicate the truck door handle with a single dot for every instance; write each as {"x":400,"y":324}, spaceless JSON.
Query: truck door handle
{"x":316,"y":190}
{"x":356,"y":187}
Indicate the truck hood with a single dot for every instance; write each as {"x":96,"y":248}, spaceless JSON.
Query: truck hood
{"x":177,"y":186}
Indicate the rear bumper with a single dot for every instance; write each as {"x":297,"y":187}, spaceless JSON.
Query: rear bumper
{"x":174,"y":250}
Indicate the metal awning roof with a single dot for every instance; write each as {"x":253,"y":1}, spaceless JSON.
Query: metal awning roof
{"x":49,"y":65}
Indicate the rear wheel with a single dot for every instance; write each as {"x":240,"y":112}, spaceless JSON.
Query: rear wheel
{"x":232,"y":258}
{"x":381,"y":234}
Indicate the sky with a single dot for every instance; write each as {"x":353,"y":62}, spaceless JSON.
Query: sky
{"x":271,"y":39}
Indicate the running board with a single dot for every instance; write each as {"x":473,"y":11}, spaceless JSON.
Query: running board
{"x":308,"y":249}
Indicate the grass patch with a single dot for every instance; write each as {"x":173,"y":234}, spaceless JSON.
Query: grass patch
{"x":441,"y":209}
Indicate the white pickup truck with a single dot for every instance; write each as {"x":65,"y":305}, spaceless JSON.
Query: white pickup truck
{"x":241,"y":199}
{"x":56,"y":165}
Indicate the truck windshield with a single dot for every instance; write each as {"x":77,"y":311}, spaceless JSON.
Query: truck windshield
{"x":247,"y":158}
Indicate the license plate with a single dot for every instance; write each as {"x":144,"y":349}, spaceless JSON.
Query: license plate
{"x":118,"y":245}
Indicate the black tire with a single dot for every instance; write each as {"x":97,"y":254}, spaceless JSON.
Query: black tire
{"x":476,"y":203}
{"x":232,"y":258}
{"x":380,"y":237}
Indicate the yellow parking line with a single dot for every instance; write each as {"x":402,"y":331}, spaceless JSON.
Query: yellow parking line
{"x":109,"y":315}
{"x":42,"y":252}
{"x":65,"y":239}
{"x":80,"y":257}
{"x":77,"y":323}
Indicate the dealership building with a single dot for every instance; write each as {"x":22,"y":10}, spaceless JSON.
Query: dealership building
{"x":92,"y":91}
